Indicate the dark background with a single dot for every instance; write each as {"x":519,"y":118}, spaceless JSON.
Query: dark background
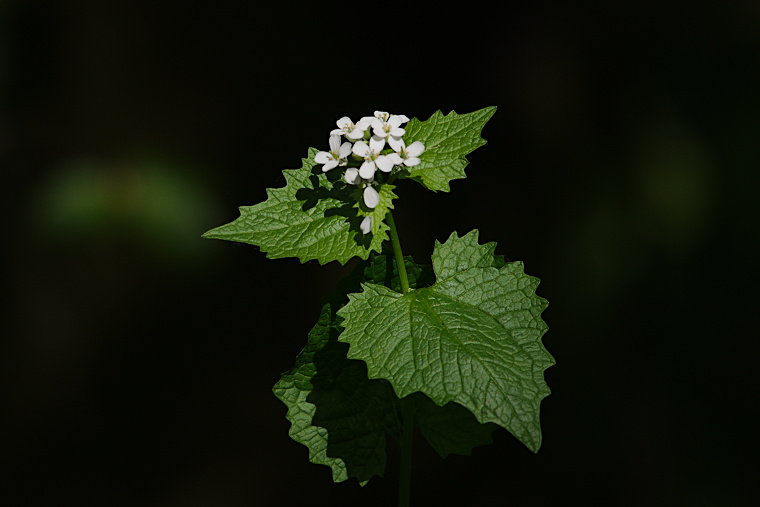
{"x":621,"y":166}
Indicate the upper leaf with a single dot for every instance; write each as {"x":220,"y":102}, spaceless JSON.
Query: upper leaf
{"x":473,"y":337}
{"x":447,"y":140}
{"x":315,"y":216}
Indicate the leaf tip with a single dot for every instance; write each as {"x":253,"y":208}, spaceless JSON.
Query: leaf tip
{"x":473,"y":235}
{"x":211,"y":234}
{"x":453,"y":236}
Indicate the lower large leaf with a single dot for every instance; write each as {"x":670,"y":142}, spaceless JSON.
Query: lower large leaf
{"x":341,"y":415}
{"x":334,"y":409}
{"x":473,"y":337}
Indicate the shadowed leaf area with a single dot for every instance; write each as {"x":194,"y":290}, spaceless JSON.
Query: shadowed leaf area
{"x":340,"y":415}
{"x":315,"y":216}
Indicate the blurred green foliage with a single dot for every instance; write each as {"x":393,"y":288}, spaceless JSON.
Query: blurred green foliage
{"x":150,"y":204}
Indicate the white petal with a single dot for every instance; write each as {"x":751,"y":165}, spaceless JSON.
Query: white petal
{"x":415,"y":149}
{"x":366,"y":225}
{"x":394,"y":121}
{"x":379,"y":132}
{"x":352,"y":176}
{"x":322,"y":157}
{"x":361,"y":149}
{"x":367,"y":170}
{"x":397,"y":132}
{"x":330,"y":165}
{"x":376,"y":123}
{"x":337,"y":132}
{"x":403,"y":118}
{"x":343,"y":121}
{"x":367,"y":120}
{"x":381,"y":115}
{"x":395,"y":158}
{"x":345,"y":150}
{"x":396,"y":143}
{"x":376,"y":144}
{"x":384,"y":163}
{"x":334,"y":143}
{"x":411,"y":161}
{"x":371,"y":197}
{"x":355,"y":134}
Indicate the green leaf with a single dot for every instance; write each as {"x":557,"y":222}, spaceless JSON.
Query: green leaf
{"x":473,"y":337}
{"x":447,"y":140}
{"x":315,"y":216}
{"x":335,"y":410}
{"x":341,"y":415}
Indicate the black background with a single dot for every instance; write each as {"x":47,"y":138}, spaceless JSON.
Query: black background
{"x":621,"y":167}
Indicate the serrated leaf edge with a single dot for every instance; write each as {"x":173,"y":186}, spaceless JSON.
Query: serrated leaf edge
{"x":543,"y":390}
{"x":481,"y":142}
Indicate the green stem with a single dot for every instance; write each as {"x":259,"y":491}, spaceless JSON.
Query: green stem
{"x":405,"y":448}
{"x":397,"y":252}
{"x":407,"y":404}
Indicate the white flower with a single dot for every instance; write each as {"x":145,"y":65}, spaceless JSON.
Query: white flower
{"x":378,"y":115}
{"x":372,"y":158}
{"x":352,"y":176}
{"x":371,"y":197}
{"x":349,"y":129}
{"x":390,"y":127}
{"x":382,"y":115}
{"x":336,"y":156}
{"x":385,"y":116}
{"x":366,"y":225}
{"x":409,"y":156}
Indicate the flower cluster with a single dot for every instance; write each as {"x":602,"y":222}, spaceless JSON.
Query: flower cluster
{"x":362,"y":160}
